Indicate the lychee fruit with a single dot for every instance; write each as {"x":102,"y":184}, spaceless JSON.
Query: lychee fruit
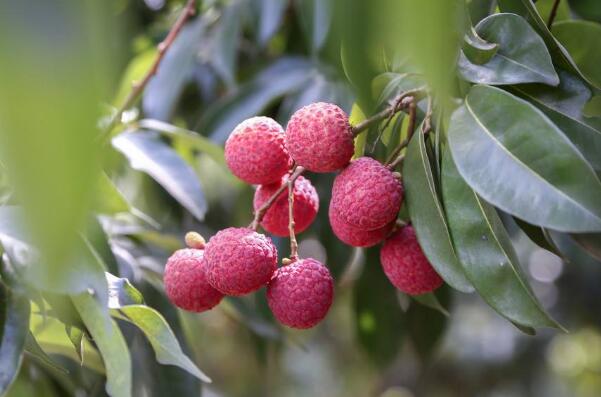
{"x":255,"y":151}
{"x":300,"y":294}
{"x":355,"y":236}
{"x":405,"y":264}
{"x":366,"y":194}
{"x":240,"y":260}
{"x":185,"y":281}
{"x":305,"y":207}
{"x":319,"y":137}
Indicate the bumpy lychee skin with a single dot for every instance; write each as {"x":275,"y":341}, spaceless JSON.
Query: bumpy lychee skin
{"x":186,"y":284}
{"x":355,"y":236}
{"x":366,"y":194}
{"x":300,"y":294}
{"x":255,"y":151}
{"x":319,"y":137}
{"x":405,"y":264}
{"x":306,"y":205}
{"x":240,"y":260}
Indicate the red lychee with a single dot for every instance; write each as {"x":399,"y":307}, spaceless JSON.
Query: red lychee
{"x":186,"y":284}
{"x":306,"y":205}
{"x":405,"y":264}
{"x":300,"y":294}
{"x":319,"y":137}
{"x":366,"y":194}
{"x":355,"y":236}
{"x":240,"y":260}
{"x":255,"y":151}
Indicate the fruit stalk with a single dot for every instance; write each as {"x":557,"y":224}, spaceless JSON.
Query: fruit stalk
{"x":293,"y":242}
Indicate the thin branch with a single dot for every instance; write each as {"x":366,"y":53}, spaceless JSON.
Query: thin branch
{"x":138,"y":87}
{"x":395,"y":153}
{"x":553,"y":13}
{"x":427,"y":124}
{"x":260,"y":212}
{"x":293,"y":242}
{"x":396,"y":161}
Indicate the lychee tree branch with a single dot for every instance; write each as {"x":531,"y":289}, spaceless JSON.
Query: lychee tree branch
{"x":260,"y":212}
{"x":291,"y":224}
{"x":139,"y":86}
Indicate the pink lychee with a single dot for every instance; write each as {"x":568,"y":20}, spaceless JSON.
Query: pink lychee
{"x":306,"y":205}
{"x":255,"y":151}
{"x":300,"y":294}
{"x":319,"y":137}
{"x":240,"y":260}
{"x":366,"y":194}
{"x":185,"y":281}
{"x":355,"y":236}
{"x":405,"y":264}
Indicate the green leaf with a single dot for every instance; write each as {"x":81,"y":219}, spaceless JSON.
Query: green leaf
{"x":356,"y":117}
{"x":564,"y":105}
{"x":109,"y":200}
{"x":582,"y":39}
{"x":122,"y":293}
{"x":486,"y":253}
{"x":161,"y":337}
{"x":559,"y":54}
{"x":110,"y":342}
{"x":270,"y":17}
{"x":430,"y":300}
{"x":480,"y":9}
{"x":83,"y":271}
{"x":521,"y":57}
{"x":380,"y":323}
{"x":35,"y":350}
{"x":428,"y":217}
{"x":396,"y":84}
{"x":538,"y":236}
{"x":191,"y":138}
{"x":519,"y":161}
{"x":477,"y":50}
{"x":315,"y":21}
{"x":593,"y":107}
{"x":590,"y":242}
{"x":281,"y":77}
{"x":14,"y":325}
{"x":225,"y":42}
{"x":147,"y":153}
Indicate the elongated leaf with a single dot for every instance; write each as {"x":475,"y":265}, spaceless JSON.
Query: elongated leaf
{"x":84,"y":271}
{"x":225,"y":42}
{"x":315,"y":21}
{"x":283,"y":76}
{"x":149,"y":154}
{"x":486,"y":253}
{"x":122,"y":293}
{"x":590,"y":242}
{"x":521,"y":57}
{"x":538,"y":236}
{"x":582,"y":39}
{"x":270,"y":17}
{"x":161,"y":337}
{"x":14,"y":325}
{"x":194,"y":139}
{"x":564,"y":105}
{"x":33,"y":348}
{"x":110,"y":342}
{"x":430,"y":300}
{"x":523,"y":164}
{"x":560,"y":55}
{"x":427,"y":215}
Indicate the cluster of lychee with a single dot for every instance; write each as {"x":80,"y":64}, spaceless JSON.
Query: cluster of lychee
{"x":366,"y":199}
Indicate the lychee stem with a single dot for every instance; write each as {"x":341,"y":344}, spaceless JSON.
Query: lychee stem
{"x":260,"y":212}
{"x":394,"y":156}
{"x":293,"y":242}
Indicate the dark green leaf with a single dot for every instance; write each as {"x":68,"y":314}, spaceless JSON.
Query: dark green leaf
{"x":315,"y":21}
{"x":477,"y":50}
{"x":380,"y":323}
{"x":283,"y":76}
{"x":122,"y":293}
{"x":537,"y":235}
{"x":430,"y":300}
{"x":593,"y":107}
{"x":582,"y":39}
{"x":147,"y":153}
{"x":564,"y":105}
{"x":226,"y":41}
{"x":428,"y":217}
{"x":590,"y":242}
{"x":486,"y":253}
{"x":35,"y":350}
{"x":559,"y":54}
{"x":14,"y":326}
{"x":161,"y":337}
{"x":523,"y":164}
{"x":110,"y":342}
{"x":521,"y":57}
